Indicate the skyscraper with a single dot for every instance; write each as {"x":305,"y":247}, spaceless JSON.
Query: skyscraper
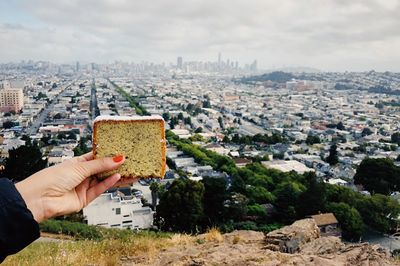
{"x":219,"y":60}
{"x":253,"y":67}
{"x":179,"y":63}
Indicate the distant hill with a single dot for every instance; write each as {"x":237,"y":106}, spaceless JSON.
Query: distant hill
{"x":298,"y":69}
{"x":277,"y":76}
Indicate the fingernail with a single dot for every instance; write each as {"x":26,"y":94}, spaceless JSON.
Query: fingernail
{"x":118,"y":158}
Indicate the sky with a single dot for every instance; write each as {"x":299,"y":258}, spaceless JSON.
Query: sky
{"x":330,"y":35}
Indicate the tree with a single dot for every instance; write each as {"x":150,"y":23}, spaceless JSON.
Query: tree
{"x":366,"y":132}
{"x":181,"y":208}
{"x":340,"y":126}
{"x":166,"y":116}
{"x":180,"y":116}
{"x":23,"y":162}
{"x":236,"y":206}
{"x":333,"y":157}
{"x":27,"y":140}
{"x":198,"y":130}
{"x":206,"y":104}
{"x":221,"y":122}
{"x":81,"y":148}
{"x":378,"y":175}
{"x":226,"y":139}
{"x":349,"y":219}
{"x":154,"y":188}
{"x":312,"y":140}
{"x":8,"y":124}
{"x":61,"y":135}
{"x":187,"y":120}
{"x":287,"y":195}
{"x":259,"y":194}
{"x":313,"y":199}
{"x":57,"y":116}
{"x":215,"y":195}
{"x":396,"y":138}
{"x":71,"y":135}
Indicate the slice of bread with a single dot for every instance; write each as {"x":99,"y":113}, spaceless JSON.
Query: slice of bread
{"x":141,"y":139}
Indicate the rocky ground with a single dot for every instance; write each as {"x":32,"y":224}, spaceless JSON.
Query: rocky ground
{"x":298,"y":244}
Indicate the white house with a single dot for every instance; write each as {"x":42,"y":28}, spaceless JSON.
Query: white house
{"x":118,"y":211}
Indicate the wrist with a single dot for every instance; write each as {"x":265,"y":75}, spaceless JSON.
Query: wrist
{"x":32,"y":200}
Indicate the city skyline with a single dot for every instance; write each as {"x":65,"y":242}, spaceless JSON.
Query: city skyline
{"x":333,"y":36}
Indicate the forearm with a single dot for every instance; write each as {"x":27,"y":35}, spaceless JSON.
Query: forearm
{"x":18,"y":227}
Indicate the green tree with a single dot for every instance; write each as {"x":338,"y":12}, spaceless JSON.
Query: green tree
{"x":259,"y":194}
{"x":8,"y":124}
{"x":215,"y":195}
{"x":313,"y":199}
{"x":379,"y":212}
{"x":378,"y":175}
{"x":312,"y":140}
{"x":236,"y":206}
{"x":349,"y":219}
{"x":333,"y":157}
{"x":27,"y":139}
{"x":366,"y":132}
{"x":166,"y":116}
{"x":257,"y":210}
{"x":81,"y":148}
{"x":340,"y":126}
{"x":198,"y":130}
{"x":23,"y":162}
{"x":396,"y":138}
{"x":287,"y":196}
{"x":181,"y":208}
{"x":226,"y":139}
{"x":221,"y":122}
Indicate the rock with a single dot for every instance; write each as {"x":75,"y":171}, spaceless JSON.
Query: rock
{"x":288,"y":239}
{"x":244,"y":236}
{"x":323,"y":245}
{"x":249,"y":248}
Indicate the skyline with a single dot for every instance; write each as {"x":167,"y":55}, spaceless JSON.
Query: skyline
{"x":334,"y":36}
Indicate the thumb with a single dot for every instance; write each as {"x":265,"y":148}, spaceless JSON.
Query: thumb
{"x":100,"y":165}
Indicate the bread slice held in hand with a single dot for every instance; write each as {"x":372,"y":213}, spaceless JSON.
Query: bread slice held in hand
{"x":141,"y":139}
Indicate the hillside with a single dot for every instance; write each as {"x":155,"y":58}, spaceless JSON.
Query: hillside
{"x":302,"y":239}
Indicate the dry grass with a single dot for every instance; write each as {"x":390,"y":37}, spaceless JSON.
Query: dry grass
{"x":236,"y":239}
{"x":213,"y":235}
{"x":105,"y":252}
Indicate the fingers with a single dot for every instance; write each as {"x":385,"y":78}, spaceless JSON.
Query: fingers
{"x":96,"y":166}
{"x":102,"y":186}
{"x":86,"y":157}
{"x":126,"y":181}
{"x":83,"y":158}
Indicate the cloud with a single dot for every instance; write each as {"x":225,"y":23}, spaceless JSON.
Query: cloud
{"x":330,"y":35}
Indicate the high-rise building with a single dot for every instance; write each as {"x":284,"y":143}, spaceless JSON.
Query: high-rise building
{"x":219,"y":60}
{"x":179,"y":63}
{"x":11,"y":100}
{"x":253,"y":66}
{"x":78,"y":67}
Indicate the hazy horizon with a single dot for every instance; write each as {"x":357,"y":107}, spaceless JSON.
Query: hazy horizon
{"x":331,"y":36}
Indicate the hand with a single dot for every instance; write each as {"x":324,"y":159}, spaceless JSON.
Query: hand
{"x":68,"y":187}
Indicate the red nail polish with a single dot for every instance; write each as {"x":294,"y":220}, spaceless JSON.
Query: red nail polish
{"x":118,"y":158}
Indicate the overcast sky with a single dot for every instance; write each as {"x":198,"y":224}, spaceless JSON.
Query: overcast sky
{"x":325,"y":34}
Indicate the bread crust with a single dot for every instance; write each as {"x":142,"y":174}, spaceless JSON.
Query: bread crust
{"x":163,"y":146}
